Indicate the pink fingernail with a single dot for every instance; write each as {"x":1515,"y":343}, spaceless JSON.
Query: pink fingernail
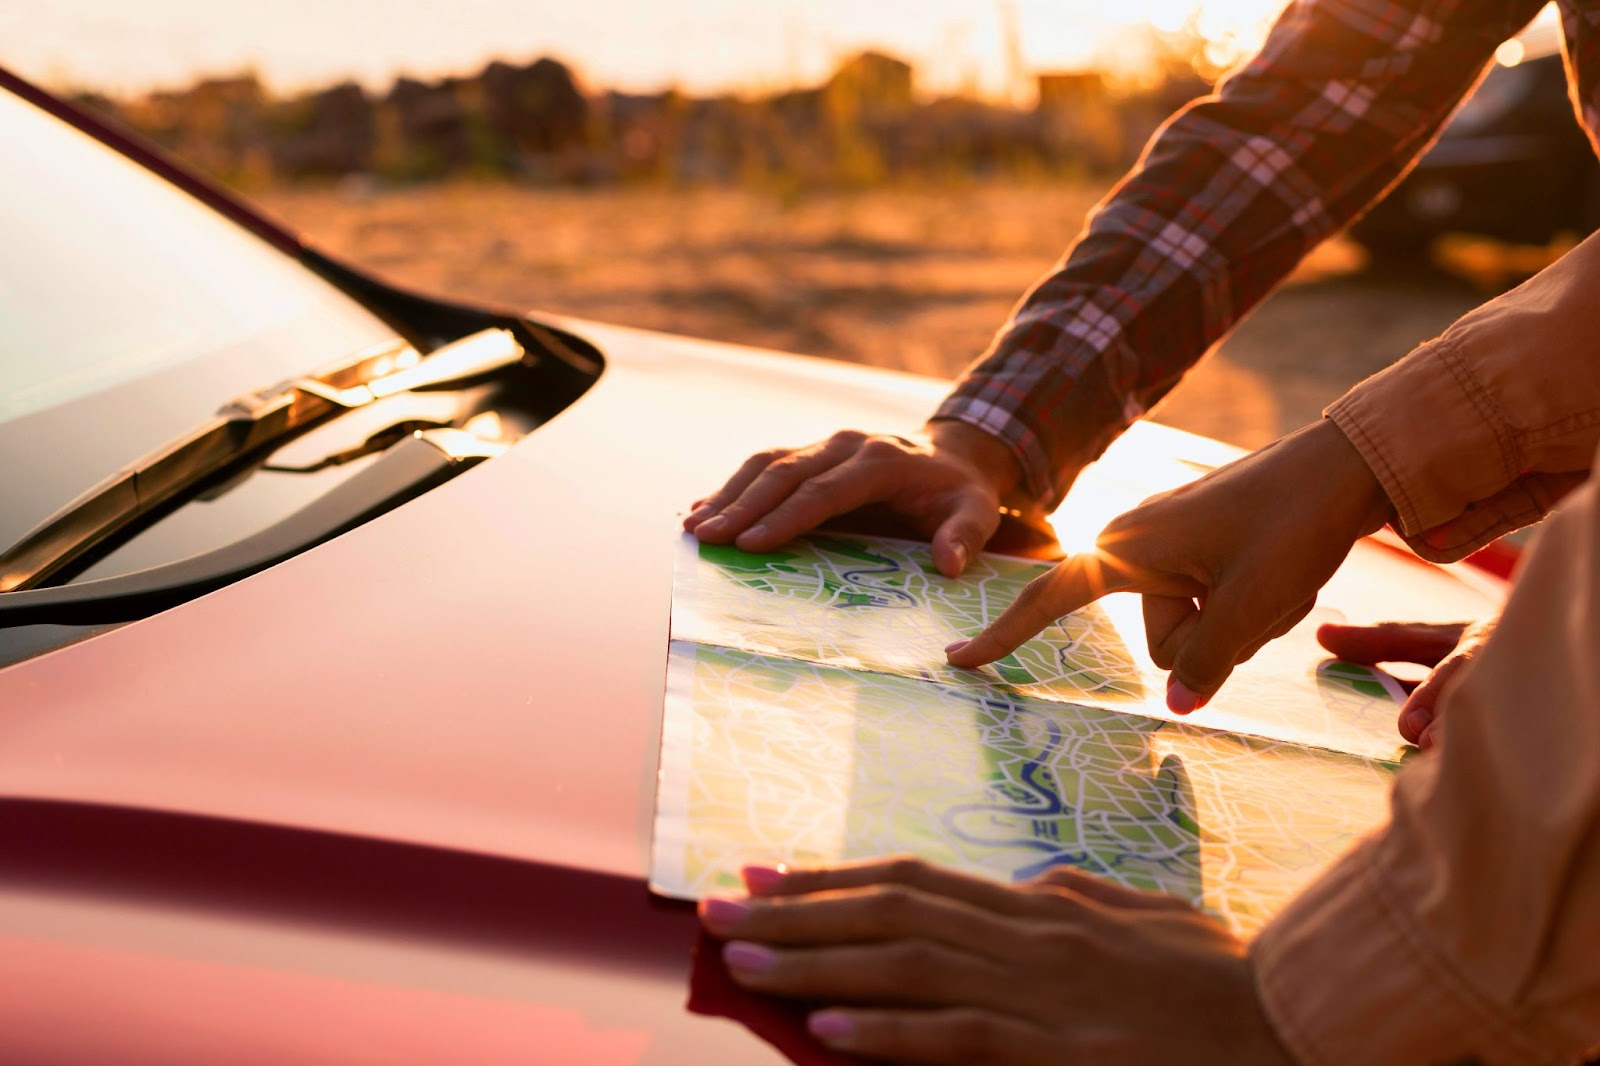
{"x":1181,"y":699}
{"x":957,"y":646}
{"x":960,"y":552}
{"x":723,"y":912}
{"x":746,"y":957}
{"x":755,"y":532}
{"x":712,"y":524}
{"x":831,"y":1025}
{"x":762,"y":880}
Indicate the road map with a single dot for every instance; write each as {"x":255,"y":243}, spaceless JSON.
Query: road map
{"x":811,"y":718}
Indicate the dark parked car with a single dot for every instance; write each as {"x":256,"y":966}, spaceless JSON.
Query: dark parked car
{"x":1512,"y":164}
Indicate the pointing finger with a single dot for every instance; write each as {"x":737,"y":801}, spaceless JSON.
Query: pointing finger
{"x":1067,"y":587}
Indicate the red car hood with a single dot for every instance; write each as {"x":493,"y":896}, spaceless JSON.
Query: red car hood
{"x":400,"y":787}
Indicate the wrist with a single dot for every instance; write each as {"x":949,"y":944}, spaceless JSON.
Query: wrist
{"x":1350,"y":479}
{"x":984,"y":452}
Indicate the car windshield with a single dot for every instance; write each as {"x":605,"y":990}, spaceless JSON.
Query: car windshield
{"x":110,"y":274}
{"x":131,"y":311}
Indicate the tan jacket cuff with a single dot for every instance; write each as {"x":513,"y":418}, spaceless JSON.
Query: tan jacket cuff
{"x":1345,"y":977}
{"x":1432,"y":436}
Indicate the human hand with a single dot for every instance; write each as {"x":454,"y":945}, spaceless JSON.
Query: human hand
{"x":1447,"y":648}
{"x":913,"y":963}
{"x":948,"y":484}
{"x":1224,"y":563}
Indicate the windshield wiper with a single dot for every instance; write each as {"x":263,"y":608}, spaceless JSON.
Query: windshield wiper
{"x":420,"y":462}
{"x":242,"y":428}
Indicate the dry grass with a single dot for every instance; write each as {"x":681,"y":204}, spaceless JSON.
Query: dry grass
{"x":912,"y":278}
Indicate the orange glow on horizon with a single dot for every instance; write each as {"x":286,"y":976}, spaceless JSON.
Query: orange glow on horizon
{"x":991,"y":48}
{"x":987,"y":47}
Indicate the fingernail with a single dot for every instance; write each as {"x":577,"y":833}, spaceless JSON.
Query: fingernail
{"x":831,"y":1025}
{"x":1415,"y":721}
{"x":746,"y":957}
{"x":700,"y":514}
{"x":723,"y":912}
{"x":711,"y":525}
{"x":1181,"y":699}
{"x":764,"y":879}
{"x":957,"y":646}
{"x":755,"y":532}
{"x":960,"y":552}
{"x":1429,"y":737}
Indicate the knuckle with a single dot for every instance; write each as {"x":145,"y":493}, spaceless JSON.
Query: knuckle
{"x":1062,"y":877}
{"x":909,"y":962}
{"x":904,"y":869}
{"x":790,"y":467}
{"x":1064,"y":946}
{"x":766,"y":458}
{"x":848,"y":438}
{"x":816,"y":489}
{"x":881,"y":449}
{"x":889,"y":907}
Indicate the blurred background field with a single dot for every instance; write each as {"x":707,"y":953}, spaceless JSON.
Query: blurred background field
{"x":878,"y":211}
{"x":912,"y":277}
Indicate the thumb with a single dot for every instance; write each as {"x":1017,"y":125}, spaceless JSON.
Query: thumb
{"x":962,"y":535}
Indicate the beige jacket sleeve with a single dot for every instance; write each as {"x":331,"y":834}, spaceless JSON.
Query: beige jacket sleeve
{"x":1468,"y":929}
{"x":1482,"y":430}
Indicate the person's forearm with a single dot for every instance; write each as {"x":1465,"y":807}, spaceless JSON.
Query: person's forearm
{"x":1226,"y":200}
{"x":1466,"y":929}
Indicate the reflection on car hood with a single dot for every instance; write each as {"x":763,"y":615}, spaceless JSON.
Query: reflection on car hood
{"x":477,"y":674}
{"x":481,"y":669}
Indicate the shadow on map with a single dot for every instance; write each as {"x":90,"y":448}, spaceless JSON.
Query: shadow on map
{"x":1074,"y":786}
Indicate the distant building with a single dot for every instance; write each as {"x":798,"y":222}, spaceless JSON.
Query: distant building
{"x":871,"y":84}
{"x":536,"y":116}
{"x":1078,"y":120}
{"x":324,"y":134}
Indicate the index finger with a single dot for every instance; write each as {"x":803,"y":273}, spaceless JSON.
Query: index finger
{"x":1068,"y":586}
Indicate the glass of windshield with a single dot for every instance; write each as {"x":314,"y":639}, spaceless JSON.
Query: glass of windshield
{"x":131,"y":311}
{"x":110,"y":274}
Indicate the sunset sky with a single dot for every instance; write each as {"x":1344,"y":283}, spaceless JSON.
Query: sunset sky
{"x":699,"y":45}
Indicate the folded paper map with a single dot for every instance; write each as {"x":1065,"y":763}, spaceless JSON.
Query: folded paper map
{"x":811,"y":718}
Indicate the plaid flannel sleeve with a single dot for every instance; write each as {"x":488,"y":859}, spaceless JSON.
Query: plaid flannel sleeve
{"x":1229,"y":195}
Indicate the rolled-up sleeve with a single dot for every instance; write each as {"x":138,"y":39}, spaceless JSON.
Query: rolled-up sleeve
{"x":1468,"y":928}
{"x":1484,"y":429}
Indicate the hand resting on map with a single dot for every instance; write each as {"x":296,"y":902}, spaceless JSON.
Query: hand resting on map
{"x":947,"y":485}
{"x":907,"y":962}
{"x":1447,"y":648}
{"x":1225,"y":563}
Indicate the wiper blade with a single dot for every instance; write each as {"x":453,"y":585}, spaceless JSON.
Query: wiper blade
{"x":408,"y":469}
{"x":241,"y":428}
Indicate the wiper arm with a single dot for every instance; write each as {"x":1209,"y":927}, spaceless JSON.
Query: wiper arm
{"x":408,"y":469}
{"x":241,"y":428}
